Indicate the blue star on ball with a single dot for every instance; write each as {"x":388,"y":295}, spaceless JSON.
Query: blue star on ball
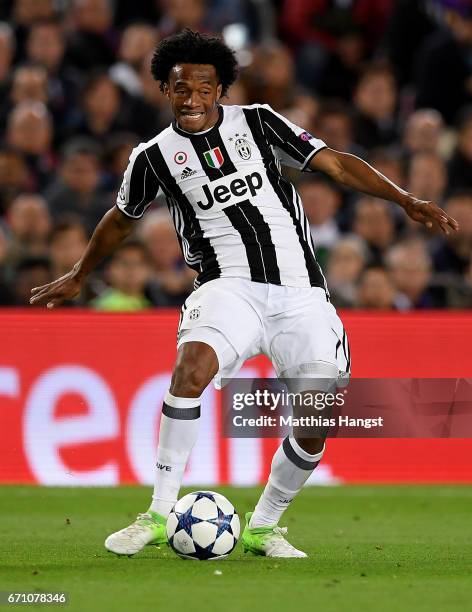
{"x":186,"y":520}
{"x":223,"y":522}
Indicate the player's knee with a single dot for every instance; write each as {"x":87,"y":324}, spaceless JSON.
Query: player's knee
{"x":188,"y":380}
{"x":196,"y":366}
{"x":313,"y":376}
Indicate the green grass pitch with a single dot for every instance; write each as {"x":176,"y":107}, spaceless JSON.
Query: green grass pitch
{"x":371,"y":548}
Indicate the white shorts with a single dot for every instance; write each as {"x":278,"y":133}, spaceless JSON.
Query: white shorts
{"x":297,"y":328}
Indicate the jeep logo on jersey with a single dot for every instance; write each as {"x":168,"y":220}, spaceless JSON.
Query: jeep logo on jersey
{"x":238,"y":187}
{"x":243,"y":148}
{"x":214,"y":158}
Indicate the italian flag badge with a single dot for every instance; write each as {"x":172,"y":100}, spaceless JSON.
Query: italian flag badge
{"x":214,"y":158}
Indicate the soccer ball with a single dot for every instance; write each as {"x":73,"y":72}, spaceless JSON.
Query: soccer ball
{"x":203,"y":525}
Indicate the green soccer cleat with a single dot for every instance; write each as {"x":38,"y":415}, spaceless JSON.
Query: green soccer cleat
{"x":268,"y":541}
{"x":148,"y":528}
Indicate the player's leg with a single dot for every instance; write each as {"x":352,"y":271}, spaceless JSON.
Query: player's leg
{"x":292,"y":465}
{"x":304,"y":351}
{"x":196,"y":365}
{"x":217,"y":326}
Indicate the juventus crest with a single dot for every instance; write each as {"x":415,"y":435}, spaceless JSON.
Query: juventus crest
{"x":243,"y":148}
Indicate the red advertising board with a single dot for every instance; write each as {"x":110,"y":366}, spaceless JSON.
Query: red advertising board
{"x":81,"y":393}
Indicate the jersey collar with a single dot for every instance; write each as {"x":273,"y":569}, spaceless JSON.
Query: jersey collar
{"x":190,"y":134}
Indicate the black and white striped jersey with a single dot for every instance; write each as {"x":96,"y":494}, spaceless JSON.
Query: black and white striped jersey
{"x":234,"y":213}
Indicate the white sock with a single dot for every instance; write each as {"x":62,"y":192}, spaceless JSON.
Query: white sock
{"x":291,"y":467}
{"x":177,"y":435}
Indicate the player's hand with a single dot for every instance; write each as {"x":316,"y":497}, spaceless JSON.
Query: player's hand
{"x":64,"y":288}
{"x":430,"y":215}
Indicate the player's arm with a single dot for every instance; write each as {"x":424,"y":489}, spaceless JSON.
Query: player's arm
{"x":109,"y":233}
{"x":355,"y":173}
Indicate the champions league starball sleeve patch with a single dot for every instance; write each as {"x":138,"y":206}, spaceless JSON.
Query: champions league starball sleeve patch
{"x":306,"y":136}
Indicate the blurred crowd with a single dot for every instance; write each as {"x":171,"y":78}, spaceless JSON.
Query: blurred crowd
{"x":388,"y":80}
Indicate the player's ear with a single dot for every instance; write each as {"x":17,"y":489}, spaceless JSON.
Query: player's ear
{"x":219,"y":90}
{"x":166,"y":90}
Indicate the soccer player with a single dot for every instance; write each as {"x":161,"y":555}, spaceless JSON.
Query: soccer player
{"x":259,"y":289}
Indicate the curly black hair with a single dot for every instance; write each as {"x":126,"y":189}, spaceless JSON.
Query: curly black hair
{"x":189,"y":47}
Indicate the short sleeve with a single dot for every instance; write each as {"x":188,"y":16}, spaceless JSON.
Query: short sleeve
{"x":293,"y":146}
{"x":139,"y":187}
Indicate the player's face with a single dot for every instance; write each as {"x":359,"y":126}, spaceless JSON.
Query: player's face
{"x":193,"y":91}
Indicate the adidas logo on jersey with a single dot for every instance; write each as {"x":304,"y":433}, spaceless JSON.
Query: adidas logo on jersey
{"x":187,"y":172}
